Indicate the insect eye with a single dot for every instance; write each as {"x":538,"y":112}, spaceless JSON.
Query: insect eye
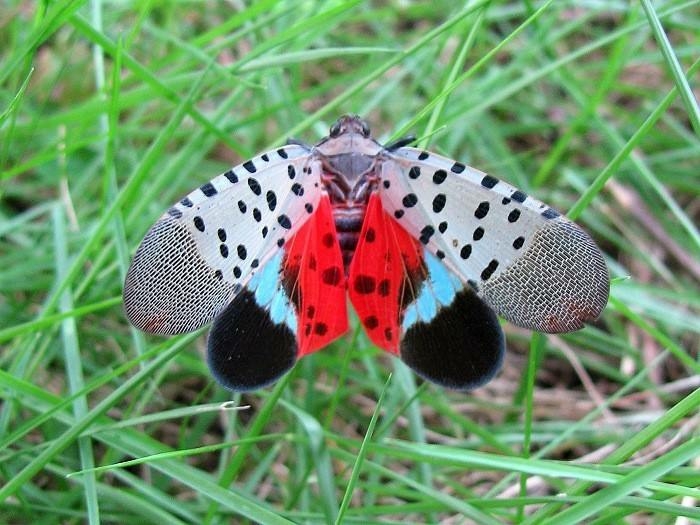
{"x":335,"y":129}
{"x":365,"y":129}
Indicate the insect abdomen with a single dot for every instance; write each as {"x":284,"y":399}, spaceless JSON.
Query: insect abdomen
{"x":348,"y":224}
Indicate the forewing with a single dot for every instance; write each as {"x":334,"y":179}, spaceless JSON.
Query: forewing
{"x":199,"y":254}
{"x":535,"y":267}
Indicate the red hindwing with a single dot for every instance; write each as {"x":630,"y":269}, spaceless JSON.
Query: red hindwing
{"x":315,"y":281}
{"x":383,"y":275}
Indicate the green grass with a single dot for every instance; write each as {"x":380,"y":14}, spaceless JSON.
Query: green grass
{"x":109,"y":112}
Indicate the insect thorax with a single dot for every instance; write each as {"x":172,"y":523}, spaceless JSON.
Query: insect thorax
{"x":349,"y":179}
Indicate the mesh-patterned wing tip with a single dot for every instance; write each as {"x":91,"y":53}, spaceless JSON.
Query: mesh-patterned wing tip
{"x":558,"y":285}
{"x":169,"y":289}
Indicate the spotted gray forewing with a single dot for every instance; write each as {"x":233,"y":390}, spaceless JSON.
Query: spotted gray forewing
{"x":204,"y":249}
{"x":532,"y":265}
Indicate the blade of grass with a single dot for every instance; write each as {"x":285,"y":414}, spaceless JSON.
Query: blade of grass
{"x":636,"y":480}
{"x":72,"y":433}
{"x":71,"y":350}
{"x":682,"y":85}
{"x":358,"y":463}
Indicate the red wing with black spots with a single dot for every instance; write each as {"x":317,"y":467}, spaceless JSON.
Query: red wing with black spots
{"x":385,"y":275}
{"x":314,"y":280}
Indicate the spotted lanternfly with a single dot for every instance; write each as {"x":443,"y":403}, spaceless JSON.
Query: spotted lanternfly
{"x":428,"y":251}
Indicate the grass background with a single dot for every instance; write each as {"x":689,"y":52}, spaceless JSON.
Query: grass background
{"x":111,"y":111}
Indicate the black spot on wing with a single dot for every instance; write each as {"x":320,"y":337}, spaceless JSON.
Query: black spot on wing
{"x":365,"y":284}
{"x":332,"y":276}
{"x":254,"y":185}
{"x":482,"y":210}
{"x":488,"y":271}
{"x":519,"y":196}
{"x":462,"y":347}
{"x":297,"y":189}
{"x":439,"y":202}
{"x":208,"y":189}
{"x":271,"y":200}
{"x":388,"y":334}
{"x":231,"y":176}
{"x":246,"y":350}
{"x":370,"y":322}
{"x":410,"y":200}
{"x":439,"y":176}
{"x":426,"y":233}
{"x":488,"y":181}
{"x":457,"y":167}
{"x":284,"y":221}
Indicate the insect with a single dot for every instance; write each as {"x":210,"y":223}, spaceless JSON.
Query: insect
{"x":427,"y":250}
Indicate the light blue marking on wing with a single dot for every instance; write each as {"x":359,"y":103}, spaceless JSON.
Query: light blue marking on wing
{"x":279,"y":307}
{"x":426,"y":303}
{"x":410,"y":316}
{"x":437,"y":291}
{"x":443,"y":283}
{"x":291,"y":320}
{"x":266,"y":281}
{"x":270,"y":295}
